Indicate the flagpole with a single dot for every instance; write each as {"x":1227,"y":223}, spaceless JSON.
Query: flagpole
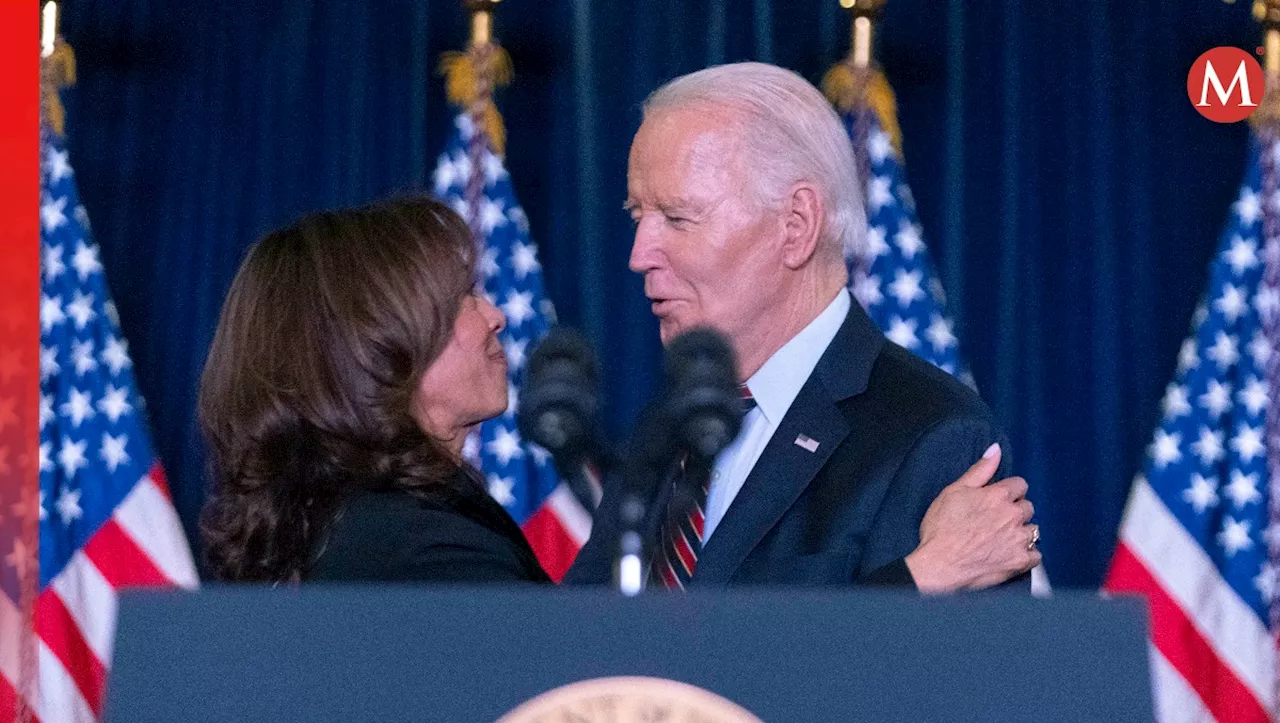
{"x":1267,"y":13}
{"x":48,"y":27}
{"x":855,"y":84}
{"x":1265,"y":122}
{"x":481,"y":49}
{"x":481,"y":20}
{"x":473,"y":179}
{"x":472,"y":77}
{"x":57,"y":70}
{"x":865,"y":14}
{"x":57,"y":66}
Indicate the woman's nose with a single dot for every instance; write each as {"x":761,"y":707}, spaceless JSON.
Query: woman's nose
{"x":497,"y":320}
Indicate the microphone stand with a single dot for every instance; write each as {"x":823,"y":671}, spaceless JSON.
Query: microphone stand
{"x":629,"y":568}
{"x":645,"y":469}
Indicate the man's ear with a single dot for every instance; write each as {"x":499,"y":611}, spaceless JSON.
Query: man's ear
{"x":802,"y":225}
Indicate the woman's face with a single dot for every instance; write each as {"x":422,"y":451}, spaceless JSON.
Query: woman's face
{"x":467,"y":383}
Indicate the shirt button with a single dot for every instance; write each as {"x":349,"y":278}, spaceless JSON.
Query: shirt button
{"x":715,"y":475}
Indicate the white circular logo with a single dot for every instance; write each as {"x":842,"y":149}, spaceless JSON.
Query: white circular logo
{"x":629,"y":700}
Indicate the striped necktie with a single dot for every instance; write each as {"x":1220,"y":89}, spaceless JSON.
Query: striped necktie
{"x":677,"y":557}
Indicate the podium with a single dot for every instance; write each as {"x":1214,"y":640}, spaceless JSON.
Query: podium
{"x":392,"y":654}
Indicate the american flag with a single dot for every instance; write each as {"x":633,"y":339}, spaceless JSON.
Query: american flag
{"x":1199,"y":537}
{"x":106,"y":519}
{"x":893,"y":278}
{"x":519,"y":475}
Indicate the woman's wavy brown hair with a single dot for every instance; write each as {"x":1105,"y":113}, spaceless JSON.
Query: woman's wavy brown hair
{"x":308,"y":388}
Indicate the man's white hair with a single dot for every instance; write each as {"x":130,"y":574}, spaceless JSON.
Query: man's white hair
{"x":791,"y":134}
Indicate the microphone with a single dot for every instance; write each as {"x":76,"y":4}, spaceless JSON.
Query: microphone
{"x":702,"y":400}
{"x":559,"y":400}
{"x":558,"y":407}
{"x":697,"y":413}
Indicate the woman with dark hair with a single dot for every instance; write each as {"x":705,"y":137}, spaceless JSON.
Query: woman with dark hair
{"x":352,"y":358}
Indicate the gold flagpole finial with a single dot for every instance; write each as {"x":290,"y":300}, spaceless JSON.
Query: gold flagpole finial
{"x":1267,"y":13}
{"x":865,"y":14}
{"x":481,"y":20}
{"x":855,"y":83}
{"x":57,"y":66}
{"x":48,"y":28}
{"x":471,"y":76}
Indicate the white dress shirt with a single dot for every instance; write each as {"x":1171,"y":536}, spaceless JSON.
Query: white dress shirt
{"x":774,"y":386}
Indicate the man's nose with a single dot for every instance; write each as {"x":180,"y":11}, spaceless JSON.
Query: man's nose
{"x":645,"y":248}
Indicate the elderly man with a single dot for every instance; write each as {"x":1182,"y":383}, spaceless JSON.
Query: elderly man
{"x":742,"y":187}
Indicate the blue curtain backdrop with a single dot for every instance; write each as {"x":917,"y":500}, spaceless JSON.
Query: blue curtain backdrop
{"x":1069,"y":190}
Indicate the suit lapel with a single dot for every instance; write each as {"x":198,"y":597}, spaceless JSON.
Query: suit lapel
{"x":790,"y":461}
{"x":783,"y":471}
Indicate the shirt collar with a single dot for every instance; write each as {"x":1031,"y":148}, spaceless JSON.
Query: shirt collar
{"x":777,"y":382}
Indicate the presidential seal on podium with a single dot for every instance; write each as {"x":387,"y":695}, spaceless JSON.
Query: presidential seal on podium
{"x":629,"y":700}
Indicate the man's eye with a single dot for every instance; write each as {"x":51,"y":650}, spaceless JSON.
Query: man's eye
{"x":677,"y":221}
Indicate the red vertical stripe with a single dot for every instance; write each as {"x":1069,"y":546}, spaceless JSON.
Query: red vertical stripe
{"x":59,"y":631}
{"x":19,"y":155}
{"x":120,"y":560}
{"x":19,"y":319}
{"x":1224,"y":695}
{"x":19,"y":238}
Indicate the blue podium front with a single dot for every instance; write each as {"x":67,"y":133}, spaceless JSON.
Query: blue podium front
{"x":391,"y":654}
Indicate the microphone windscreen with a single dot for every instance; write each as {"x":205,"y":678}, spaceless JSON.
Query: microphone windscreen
{"x":701,"y":357}
{"x":701,"y":393}
{"x":560,"y":348}
{"x":557,"y":407}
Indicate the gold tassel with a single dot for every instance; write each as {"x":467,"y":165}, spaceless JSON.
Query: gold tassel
{"x":464,"y":86}
{"x":840,"y":85}
{"x":57,"y":71}
{"x":850,"y":89}
{"x":1267,"y":117}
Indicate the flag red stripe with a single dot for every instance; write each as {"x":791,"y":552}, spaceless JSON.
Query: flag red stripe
{"x":9,"y":702}
{"x":555,"y":549}
{"x":160,"y":480}
{"x":1174,"y":634}
{"x":60,"y":633}
{"x":120,"y":560}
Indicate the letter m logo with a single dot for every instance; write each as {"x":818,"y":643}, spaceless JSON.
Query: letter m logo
{"x":1230,"y":101}
{"x":1241,"y":78}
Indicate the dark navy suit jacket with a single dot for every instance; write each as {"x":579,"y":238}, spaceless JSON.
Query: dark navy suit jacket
{"x":892,"y":431}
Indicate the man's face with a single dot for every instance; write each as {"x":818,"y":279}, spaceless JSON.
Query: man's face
{"x":708,"y":251}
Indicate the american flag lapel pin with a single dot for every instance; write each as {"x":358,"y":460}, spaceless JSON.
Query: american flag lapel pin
{"x":807,"y":443}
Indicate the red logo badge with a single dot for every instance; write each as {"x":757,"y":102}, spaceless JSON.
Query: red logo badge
{"x":1226,"y":84}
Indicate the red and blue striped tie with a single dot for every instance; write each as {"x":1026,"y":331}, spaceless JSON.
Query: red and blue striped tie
{"x":677,"y":557}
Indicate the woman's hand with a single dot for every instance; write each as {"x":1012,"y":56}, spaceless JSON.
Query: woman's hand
{"x":975,"y":534}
